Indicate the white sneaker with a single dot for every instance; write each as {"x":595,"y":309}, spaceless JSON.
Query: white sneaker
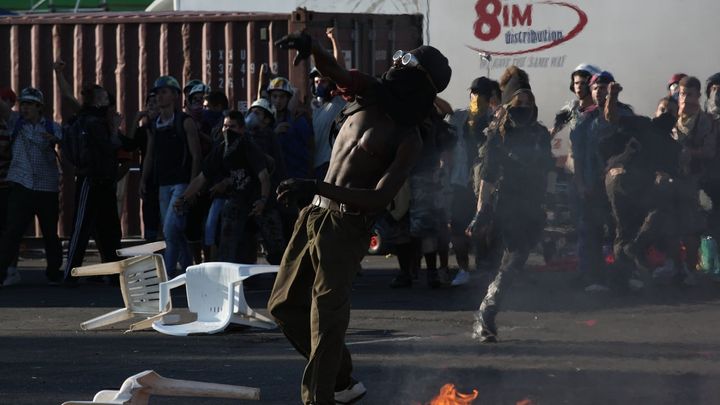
{"x":12,"y":278}
{"x":635,"y":284}
{"x":596,"y":288}
{"x":665,"y":272}
{"x":462,"y":277}
{"x":689,"y":278}
{"x":352,"y":394}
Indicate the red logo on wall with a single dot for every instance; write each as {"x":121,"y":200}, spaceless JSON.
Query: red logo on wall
{"x":517,"y":20}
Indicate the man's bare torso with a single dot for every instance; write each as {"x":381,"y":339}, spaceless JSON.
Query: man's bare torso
{"x":364,"y":149}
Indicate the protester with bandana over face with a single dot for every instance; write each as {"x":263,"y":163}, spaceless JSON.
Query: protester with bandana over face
{"x":373,"y":155}
{"x":514,"y":163}
{"x":469,"y":127}
{"x":643,"y":164}
{"x":95,"y":177}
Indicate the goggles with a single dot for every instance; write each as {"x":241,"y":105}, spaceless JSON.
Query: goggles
{"x":405,"y":59}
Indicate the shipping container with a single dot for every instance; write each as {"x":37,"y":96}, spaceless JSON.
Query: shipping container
{"x":125,"y":52}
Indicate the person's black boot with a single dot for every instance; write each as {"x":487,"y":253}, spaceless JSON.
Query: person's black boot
{"x":484,"y":328}
{"x":402,"y":280}
{"x":432,"y":279}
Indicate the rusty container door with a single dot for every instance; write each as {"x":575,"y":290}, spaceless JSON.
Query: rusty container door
{"x":126,"y":52}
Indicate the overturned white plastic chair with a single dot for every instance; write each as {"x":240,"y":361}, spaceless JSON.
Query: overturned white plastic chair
{"x":141,"y":250}
{"x":140,"y":279}
{"x":215,"y":293}
{"x":137,"y":390}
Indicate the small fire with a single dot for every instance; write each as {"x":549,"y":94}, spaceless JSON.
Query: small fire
{"x":449,"y":396}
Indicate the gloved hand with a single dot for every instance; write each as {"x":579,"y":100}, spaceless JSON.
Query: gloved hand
{"x":300,"y":41}
{"x":482,"y":219}
{"x":289,"y":189}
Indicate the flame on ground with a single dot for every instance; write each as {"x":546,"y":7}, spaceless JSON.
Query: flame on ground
{"x":449,"y":396}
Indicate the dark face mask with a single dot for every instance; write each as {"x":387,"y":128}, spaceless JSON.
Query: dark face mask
{"x":253,"y":121}
{"x":411,"y":95}
{"x":231,"y":136}
{"x":664,"y":122}
{"x":520,"y":116}
{"x":322,"y":91}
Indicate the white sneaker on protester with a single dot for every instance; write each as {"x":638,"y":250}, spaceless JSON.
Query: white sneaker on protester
{"x":635,"y":284}
{"x":596,"y":288}
{"x":462,"y":277}
{"x":351,"y":394}
{"x":12,"y":278}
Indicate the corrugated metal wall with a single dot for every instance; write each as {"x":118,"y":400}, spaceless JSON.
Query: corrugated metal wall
{"x":126,"y":52}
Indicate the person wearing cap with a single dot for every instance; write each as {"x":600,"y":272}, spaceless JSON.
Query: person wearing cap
{"x":295,"y":132}
{"x":8,"y":118}
{"x":373,"y":155}
{"x":174,"y":157}
{"x":259,"y":123}
{"x":34,"y":184}
{"x":673,"y":85}
{"x":595,"y":123}
{"x":514,"y":163}
{"x":195,"y":107}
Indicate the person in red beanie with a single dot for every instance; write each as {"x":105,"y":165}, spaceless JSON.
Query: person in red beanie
{"x":673,"y":85}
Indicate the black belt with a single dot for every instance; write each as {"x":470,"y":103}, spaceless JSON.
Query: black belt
{"x":331,"y":205}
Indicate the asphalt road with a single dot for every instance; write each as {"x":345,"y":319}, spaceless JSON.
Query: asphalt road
{"x":559,"y":345}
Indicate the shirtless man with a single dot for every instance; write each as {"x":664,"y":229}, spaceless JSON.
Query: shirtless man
{"x":373,"y":155}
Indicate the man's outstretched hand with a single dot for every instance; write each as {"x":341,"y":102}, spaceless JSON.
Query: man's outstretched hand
{"x":289,"y":189}
{"x":300,"y":41}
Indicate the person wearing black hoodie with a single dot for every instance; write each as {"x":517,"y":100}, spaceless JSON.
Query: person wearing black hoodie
{"x":643,"y":159}
{"x":96,"y":180}
{"x":514,"y":163}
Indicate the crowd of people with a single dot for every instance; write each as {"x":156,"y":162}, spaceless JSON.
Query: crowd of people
{"x":208,"y":174}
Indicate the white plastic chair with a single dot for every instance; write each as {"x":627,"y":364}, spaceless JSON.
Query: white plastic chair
{"x":141,"y":250}
{"x":215,"y":293}
{"x":140,"y":279}
{"x":137,"y":390}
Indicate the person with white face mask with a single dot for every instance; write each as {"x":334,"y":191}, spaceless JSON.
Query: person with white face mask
{"x":259,"y":123}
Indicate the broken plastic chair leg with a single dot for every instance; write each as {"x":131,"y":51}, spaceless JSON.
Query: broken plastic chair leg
{"x":140,"y":250}
{"x":138,"y":389}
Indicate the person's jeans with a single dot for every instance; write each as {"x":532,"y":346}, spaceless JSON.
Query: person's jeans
{"x":213,"y":221}
{"x":174,"y":223}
